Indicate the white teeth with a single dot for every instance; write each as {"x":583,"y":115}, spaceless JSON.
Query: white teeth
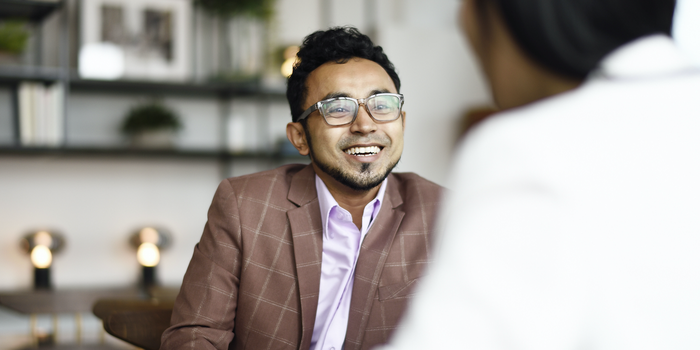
{"x":363,"y":151}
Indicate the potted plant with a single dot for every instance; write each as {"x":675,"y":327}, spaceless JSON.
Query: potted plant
{"x":13,"y":39}
{"x":151,"y":125}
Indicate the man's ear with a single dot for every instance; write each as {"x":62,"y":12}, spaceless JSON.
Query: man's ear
{"x":297,"y":136}
{"x":403,"y":120}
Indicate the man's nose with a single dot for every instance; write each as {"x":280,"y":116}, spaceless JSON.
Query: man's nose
{"x":363,"y":124}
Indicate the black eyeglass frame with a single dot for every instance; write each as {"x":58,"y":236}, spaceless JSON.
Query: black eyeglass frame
{"x":358,"y":102}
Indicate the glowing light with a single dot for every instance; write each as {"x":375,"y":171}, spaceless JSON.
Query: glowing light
{"x":148,"y":254}
{"x":43,"y":238}
{"x":290,"y":57}
{"x":41,"y":257}
{"x":148,"y":235}
{"x":288,"y":67}
{"x":291,"y":51}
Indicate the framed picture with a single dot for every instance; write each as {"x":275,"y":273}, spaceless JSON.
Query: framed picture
{"x":153,"y":35}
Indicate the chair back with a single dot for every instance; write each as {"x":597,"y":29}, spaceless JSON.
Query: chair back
{"x":138,"y":322}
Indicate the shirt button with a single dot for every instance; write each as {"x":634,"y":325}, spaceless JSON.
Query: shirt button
{"x":331,"y":349}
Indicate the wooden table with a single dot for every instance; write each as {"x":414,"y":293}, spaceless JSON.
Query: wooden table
{"x":63,"y":301}
{"x":75,"y":301}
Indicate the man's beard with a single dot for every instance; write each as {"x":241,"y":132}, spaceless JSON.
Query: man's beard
{"x":362,"y":182}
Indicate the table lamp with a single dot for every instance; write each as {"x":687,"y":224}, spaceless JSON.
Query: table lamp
{"x":149,"y":241}
{"x":41,"y":246}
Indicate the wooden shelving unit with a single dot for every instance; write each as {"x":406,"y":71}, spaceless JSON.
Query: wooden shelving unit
{"x":12,"y":76}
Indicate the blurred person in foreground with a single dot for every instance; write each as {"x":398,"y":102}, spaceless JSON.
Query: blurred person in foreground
{"x":323,"y":256}
{"x":573,"y":217}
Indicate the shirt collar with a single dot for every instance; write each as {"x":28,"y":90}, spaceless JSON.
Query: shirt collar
{"x":654,"y":55}
{"x":326,"y":201}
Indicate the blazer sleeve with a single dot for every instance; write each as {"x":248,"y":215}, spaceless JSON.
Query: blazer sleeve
{"x":205,"y":310}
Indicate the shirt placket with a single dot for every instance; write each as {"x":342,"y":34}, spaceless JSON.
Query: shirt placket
{"x":336,"y":326}
{"x":351,"y":235}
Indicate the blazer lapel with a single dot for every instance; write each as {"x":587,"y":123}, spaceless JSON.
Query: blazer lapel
{"x":373,"y":254}
{"x":307,"y":238}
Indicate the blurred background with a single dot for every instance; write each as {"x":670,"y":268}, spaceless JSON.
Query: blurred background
{"x":120,"y":115}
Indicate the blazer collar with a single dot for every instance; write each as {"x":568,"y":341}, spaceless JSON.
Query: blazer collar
{"x":302,"y":188}
{"x":392,"y":197}
{"x":654,"y":55}
{"x":307,"y":240}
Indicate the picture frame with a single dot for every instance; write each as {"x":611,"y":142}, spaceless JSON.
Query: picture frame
{"x":154,"y":35}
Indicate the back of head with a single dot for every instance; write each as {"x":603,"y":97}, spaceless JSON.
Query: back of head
{"x":337,"y":44}
{"x":570,"y":37}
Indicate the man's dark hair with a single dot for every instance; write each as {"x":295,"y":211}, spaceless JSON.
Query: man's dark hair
{"x":338,"y":44}
{"x":570,"y":37}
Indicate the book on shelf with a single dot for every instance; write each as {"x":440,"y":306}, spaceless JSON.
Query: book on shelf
{"x":41,"y":114}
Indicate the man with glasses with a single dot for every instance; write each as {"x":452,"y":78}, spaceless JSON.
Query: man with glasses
{"x":323,"y":256}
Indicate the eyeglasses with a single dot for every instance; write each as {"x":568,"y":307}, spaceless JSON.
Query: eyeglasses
{"x":339,"y":111}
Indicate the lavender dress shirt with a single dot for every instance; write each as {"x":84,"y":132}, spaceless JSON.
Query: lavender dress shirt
{"x":341,"y":245}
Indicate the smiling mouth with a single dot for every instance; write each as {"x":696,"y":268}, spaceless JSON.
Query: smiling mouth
{"x":363,"y":151}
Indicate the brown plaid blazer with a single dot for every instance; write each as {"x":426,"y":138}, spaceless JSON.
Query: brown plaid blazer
{"x":254,"y":277}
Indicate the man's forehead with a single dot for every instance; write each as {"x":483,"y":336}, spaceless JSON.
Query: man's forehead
{"x":355,"y":78}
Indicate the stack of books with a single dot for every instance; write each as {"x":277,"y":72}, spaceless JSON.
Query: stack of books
{"x":41,"y":114}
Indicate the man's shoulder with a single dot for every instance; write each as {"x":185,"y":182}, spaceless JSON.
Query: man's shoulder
{"x":280,"y":177}
{"x":415,"y":188}
{"x":414,"y":179}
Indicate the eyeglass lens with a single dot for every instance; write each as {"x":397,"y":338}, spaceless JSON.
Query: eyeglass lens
{"x":342,"y":111}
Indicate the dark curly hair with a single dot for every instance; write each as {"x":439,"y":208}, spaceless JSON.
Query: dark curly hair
{"x":337,"y":44}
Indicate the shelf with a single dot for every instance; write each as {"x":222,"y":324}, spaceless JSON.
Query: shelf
{"x":220,"y":89}
{"x":34,"y":10}
{"x":142,"y":153}
{"x":13,"y":74}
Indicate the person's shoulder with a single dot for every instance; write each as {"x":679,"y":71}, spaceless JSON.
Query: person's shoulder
{"x":535,"y":129}
{"x":278,"y":176}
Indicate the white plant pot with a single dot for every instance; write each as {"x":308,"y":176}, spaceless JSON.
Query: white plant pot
{"x":154,"y":139}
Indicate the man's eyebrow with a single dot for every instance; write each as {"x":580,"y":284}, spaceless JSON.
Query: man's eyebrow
{"x":344,"y":94}
{"x":336,"y":94}
{"x":382,"y":91}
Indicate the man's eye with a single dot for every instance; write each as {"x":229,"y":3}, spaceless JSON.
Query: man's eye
{"x":383,"y":108}
{"x":338,"y":108}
